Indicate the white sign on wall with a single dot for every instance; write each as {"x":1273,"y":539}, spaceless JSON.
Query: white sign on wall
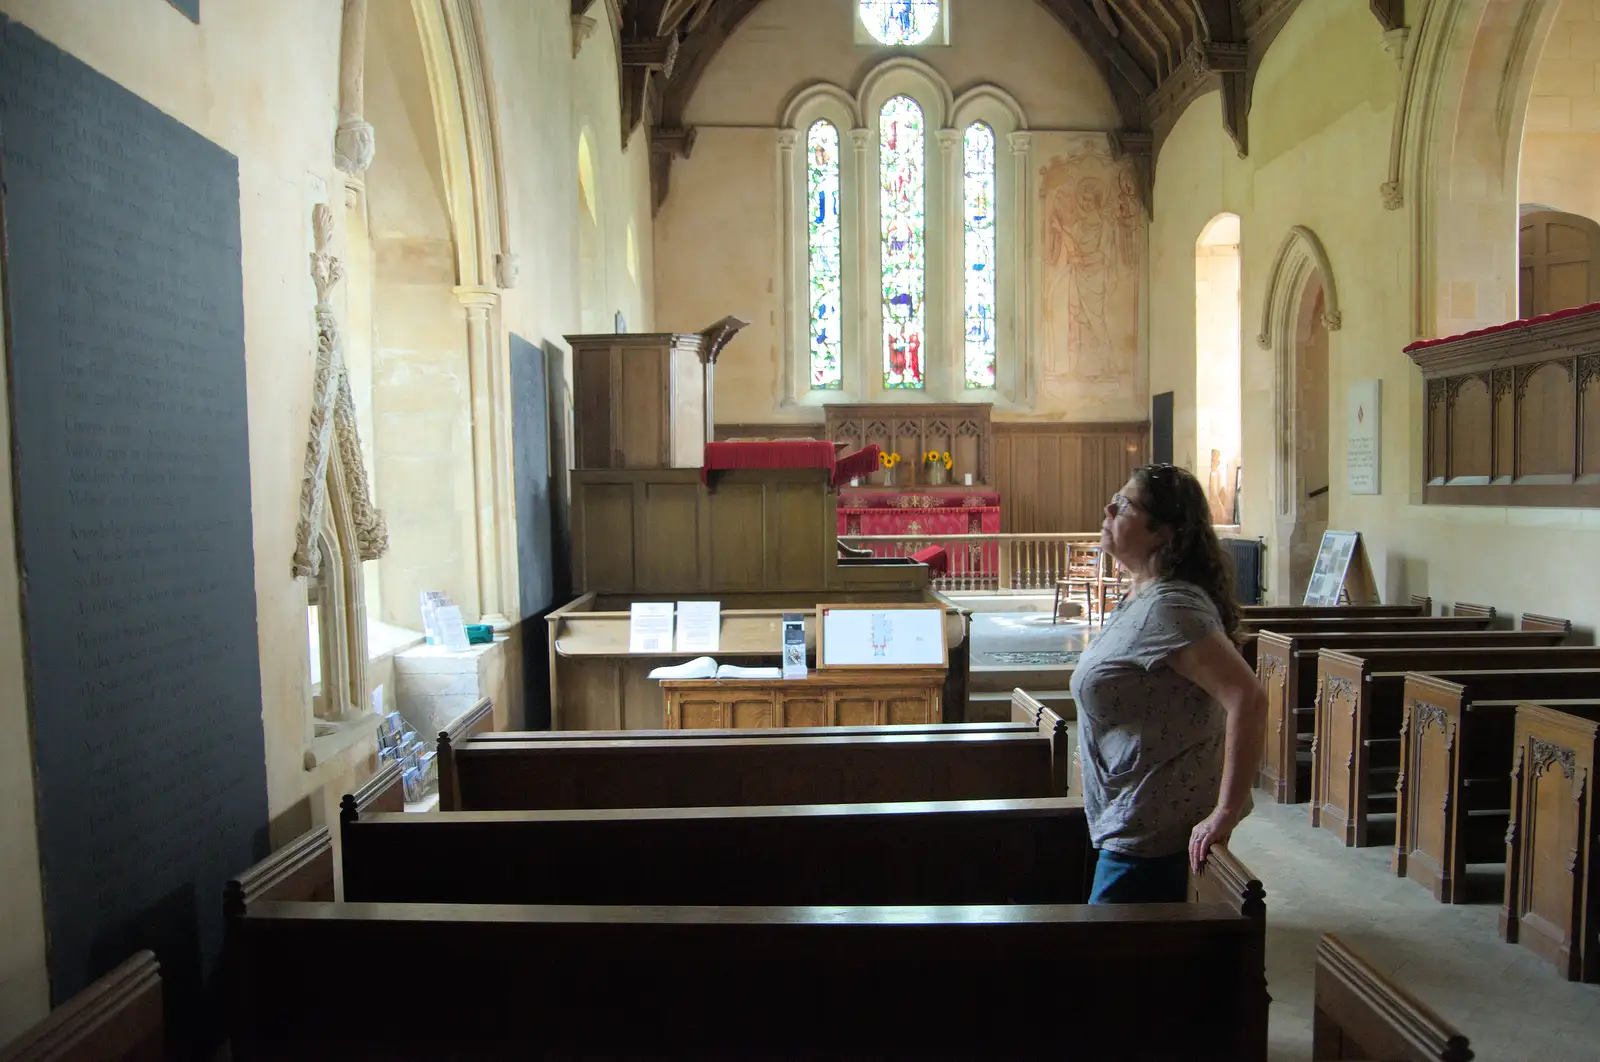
{"x":1365,"y":439}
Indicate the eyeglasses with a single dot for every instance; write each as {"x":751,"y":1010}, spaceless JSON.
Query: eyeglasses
{"x":1121,"y":504}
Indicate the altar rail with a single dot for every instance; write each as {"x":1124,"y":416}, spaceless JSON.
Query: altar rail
{"x":986,"y":562}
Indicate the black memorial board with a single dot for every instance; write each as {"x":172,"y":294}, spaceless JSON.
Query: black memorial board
{"x":530,"y":450}
{"x":125,"y":316}
{"x":188,"y":7}
{"x":1161,"y":428}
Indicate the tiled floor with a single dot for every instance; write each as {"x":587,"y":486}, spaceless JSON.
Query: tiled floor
{"x":1510,"y":1004}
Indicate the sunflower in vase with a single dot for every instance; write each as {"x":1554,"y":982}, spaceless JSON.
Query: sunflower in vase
{"x":939,"y":465}
{"x":888,"y":461}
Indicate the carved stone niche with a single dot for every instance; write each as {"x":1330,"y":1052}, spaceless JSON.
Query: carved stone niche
{"x":1512,"y":413}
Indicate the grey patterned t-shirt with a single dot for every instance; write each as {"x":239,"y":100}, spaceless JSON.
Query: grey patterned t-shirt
{"x":1150,"y":741}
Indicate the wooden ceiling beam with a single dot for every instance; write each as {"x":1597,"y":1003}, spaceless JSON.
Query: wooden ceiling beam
{"x":1144,"y":27}
{"x":1391,"y":14}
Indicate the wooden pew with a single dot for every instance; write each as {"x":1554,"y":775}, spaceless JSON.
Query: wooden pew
{"x":303,"y":868}
{"x":712,"y":772}
{"x":1534,"y":622}
{"x":118,"y":1018}
{"x":1463,"y":608}
{"x":1247,"y":636}
{"x":1286,"y":666}
{"x":1454,"y":790}
{"x":1356,"y":750}
{"x":956,"y":852}
{"x":1551,"y":906}
{"x":477,"y":723}
{"x":1423,"y":603}
{"x":1255,"y":614}
{"x":836,"y":982}
{"x":1225,"y":880}
{"x":1360,"y":1014}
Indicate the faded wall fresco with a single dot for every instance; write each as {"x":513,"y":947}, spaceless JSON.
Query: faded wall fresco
{"x":1091,"y":241}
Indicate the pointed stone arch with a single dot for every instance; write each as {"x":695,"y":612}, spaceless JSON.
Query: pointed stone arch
{"x":1299,"y":254}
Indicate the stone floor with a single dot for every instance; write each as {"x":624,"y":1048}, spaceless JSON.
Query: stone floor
{"x":1510,"y":1004}
{"x":1014,"y":635}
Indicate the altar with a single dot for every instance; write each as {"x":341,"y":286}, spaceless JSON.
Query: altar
{"x":919,"y":511}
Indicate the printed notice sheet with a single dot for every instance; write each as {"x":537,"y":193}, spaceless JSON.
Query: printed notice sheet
{"x":699,"y":626}
{"x":905,"y":637}
{"x":650,"y":627}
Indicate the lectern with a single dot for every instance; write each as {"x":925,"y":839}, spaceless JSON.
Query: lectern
{"x":645,"y":400}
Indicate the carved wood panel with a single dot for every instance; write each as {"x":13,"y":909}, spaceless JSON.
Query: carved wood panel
{"x":1512,"y":415}
{"x":1558,"y":262}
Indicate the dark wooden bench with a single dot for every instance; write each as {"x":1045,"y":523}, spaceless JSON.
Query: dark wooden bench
{"x":1464,"y":608}
{"x":1360,"y":1014}
{"x":955,"y":852}
{"x":303,"y":869}
{"x":1253,"y":615}
{"x":1356,"y":750}
{"x":118,"y":1018}
{"x":1454,"y":793}
{"x":712,"y":772}
{"x":1332,"y":625}
{"x":478,"y":723}
{"x":1551,"y":905}
{"x":839,"y":982}
{"x":1286,"y":665}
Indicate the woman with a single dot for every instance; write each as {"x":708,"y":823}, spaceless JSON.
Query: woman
{"x":1170,"y":717}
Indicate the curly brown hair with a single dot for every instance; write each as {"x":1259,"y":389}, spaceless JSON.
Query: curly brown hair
{"x":1173,"y":498}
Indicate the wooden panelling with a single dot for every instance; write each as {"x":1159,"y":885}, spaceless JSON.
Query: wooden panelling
{"x":1051,"y":477}
{"x":1058,"y":477}
{"x":964,"y":430}
{"x":1558,"y":262}
{"x":640,"y":400}
{"x":736,"y":521}
{"x":1512,"y":416}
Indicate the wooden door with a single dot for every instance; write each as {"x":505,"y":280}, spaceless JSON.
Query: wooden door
{"x":1559,"y":267}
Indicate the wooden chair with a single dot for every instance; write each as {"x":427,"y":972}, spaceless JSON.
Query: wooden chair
{"x":1360,"y":1014}
{"x":1085,"y":575}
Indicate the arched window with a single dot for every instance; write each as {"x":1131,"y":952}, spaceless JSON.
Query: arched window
{"x":903,"y":249}
{"x":900,"y":22}
{"x":979,"y":237}
{"x":825,"y":257}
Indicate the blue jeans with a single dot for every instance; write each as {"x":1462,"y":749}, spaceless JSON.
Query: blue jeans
{"x":1122,"y":878}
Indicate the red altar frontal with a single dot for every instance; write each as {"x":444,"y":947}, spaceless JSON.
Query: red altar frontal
{"x":931,"y":511}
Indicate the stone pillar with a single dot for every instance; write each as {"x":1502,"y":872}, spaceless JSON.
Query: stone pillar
{"x":952,"y":270}
{"x":797,"y":291}
{"x":354,"y":143}
{"x":1022,"y":386}
{"x":490,"y":455}
{"x":869,"y":284}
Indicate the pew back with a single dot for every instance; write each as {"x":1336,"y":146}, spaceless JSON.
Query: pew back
{"x":1360,"y":1014}
{"x":303,"y":869}
{"x":956,"y":852}
{"x":1288,"y":672}
{"x":1551,"y":904}
{"x":535,"y":775}
{"x":118,"y":1018}
{"x":593,"y":982}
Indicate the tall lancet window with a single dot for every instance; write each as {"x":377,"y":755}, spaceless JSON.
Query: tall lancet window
{"x":979,"y":240}
{"x":902,"y":170}
{"x":824,"y":255}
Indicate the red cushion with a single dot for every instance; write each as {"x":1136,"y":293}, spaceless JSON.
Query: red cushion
{"x":934,"y":557}
{"x":1525,"y":322}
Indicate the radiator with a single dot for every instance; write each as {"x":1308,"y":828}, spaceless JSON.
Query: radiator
{"x":1247,"y":555}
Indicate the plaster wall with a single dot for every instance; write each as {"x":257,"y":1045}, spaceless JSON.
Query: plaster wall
{"x":261,"y":80}
{"x":1323,"y":114}
{"x":722,"y":239}
{"x":785,"y":45}
{"x":1561,"y":140}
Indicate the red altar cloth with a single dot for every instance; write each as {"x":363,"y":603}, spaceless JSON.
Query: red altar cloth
{"x":786,"y":453}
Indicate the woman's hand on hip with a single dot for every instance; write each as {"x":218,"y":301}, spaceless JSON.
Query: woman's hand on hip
{"x":1216,"y":828}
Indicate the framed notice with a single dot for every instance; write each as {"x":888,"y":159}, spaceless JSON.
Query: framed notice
{"x":881,"y":636}
{"x":1364,"y":439}
{"x":1342,"y":574}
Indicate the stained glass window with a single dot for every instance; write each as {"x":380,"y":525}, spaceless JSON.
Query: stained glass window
{"x":824,"y":255}
{"x":900,"y":21}
{"x":979,"y":238}
{"x":902,"y":169}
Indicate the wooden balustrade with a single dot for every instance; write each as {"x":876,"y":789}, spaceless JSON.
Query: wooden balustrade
{"x":1031,"y":562}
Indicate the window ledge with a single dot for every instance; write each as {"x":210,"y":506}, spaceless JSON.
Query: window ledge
{"x":342,"y":736}
{"x":385,"y":640}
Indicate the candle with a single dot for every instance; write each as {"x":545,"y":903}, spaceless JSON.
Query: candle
{"x":968,"y":476}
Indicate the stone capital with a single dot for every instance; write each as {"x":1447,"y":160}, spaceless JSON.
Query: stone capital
{"x":354,"y":145}
{"x":583,"y":28}
{"x":861,"y":138}
{"x":476,"y":298}
{"x":787,"y":139}
{"x":1021,"y":143}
